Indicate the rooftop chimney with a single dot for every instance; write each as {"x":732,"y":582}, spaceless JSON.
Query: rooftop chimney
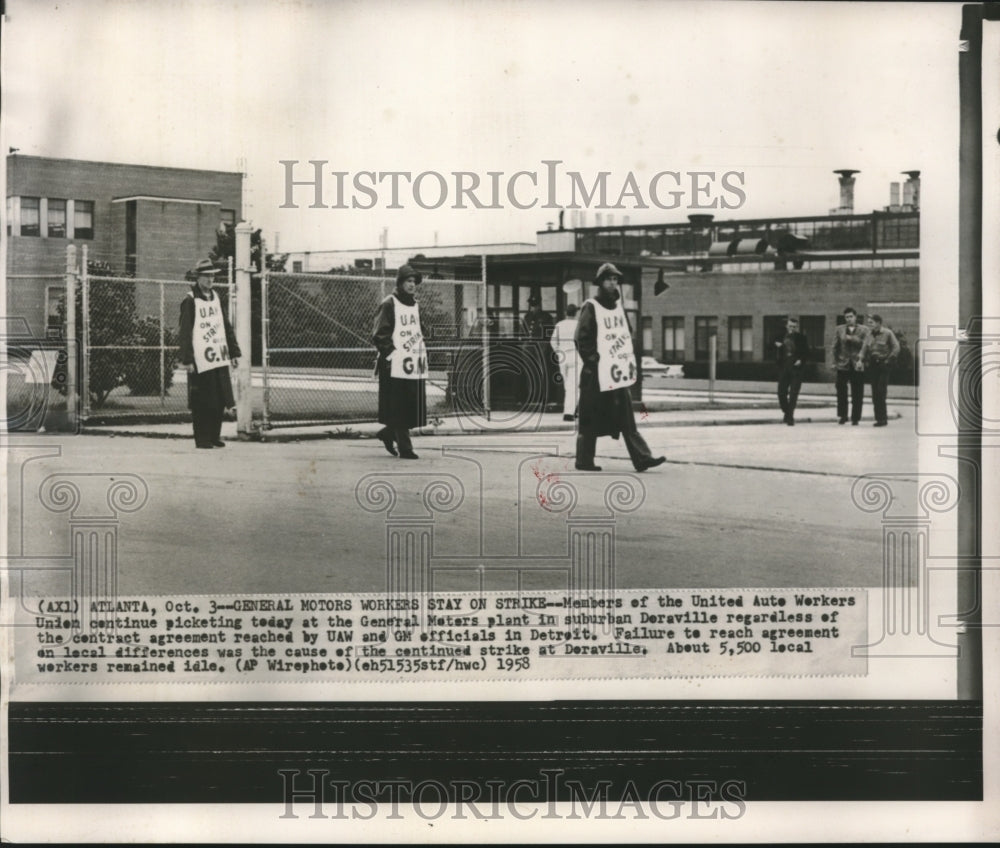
{"x":699,"y":221}
{"x":893,"y":197}
{"x":846,"y":191}
{"x":911,"y":190}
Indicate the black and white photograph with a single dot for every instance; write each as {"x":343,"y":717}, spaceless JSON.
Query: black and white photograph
{"x":499,"y":421}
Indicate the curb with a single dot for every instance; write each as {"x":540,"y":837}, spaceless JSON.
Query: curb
{"x":275,"y":436}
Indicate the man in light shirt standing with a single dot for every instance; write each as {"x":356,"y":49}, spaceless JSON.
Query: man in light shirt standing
{"x":563,"y":342}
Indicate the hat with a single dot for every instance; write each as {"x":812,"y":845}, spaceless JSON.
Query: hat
{"x":534,"y":300}
{"x":206,"y":267}
{"x":606,"y":270}
{"x":407,"y":271}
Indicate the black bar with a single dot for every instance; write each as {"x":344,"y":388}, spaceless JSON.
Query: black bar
{"x":970,"y":306}
{"x":234,"y":752}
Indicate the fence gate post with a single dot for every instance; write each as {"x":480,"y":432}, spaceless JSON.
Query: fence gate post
{"x":244,"y":398}
{"x":85,"y":334}
{"x":71,"y":345}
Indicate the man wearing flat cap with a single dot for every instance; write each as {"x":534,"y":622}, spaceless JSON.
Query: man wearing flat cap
{"x":607,"y":354}
{"x":208,"y":349}
{"x":402,"y":365}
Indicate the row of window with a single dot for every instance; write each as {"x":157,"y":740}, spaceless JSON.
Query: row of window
{"x":56,"y":223}
{"x":740,"y":339}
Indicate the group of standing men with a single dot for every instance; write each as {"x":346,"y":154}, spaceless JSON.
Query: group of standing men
{"x":860,"y":353}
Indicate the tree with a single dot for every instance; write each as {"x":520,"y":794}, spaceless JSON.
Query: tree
{"x":225,"y":247}
{"x":112,"y":323}
{"x":114,"y":333}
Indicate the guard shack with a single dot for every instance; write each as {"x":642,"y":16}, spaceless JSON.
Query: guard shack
{"x":523,"y":373}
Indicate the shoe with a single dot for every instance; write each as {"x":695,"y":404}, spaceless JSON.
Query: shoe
{"x":408,"y":455}
{"x":588,"y":467}
{"x":650,"y":463}
{"x":855,"y":423}
{"x":790,"y":422}
{"x":569,"y":418}
{"x":203,"y":447}
{"x":218,"y":444}
{"x":881,"y":424}
{"x":842,"y":421}
{"x":387,"y":441}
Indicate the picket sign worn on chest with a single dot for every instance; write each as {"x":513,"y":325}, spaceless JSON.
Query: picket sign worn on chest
{"x":616,"y":369}
{"x":409,"y":362}
{"x":211,"y":350}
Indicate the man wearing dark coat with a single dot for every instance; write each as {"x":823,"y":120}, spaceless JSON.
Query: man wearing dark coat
{"x":208,"y":349}
{"x":792,"y":354}
{"x":608,"y":368}
{"x":401,"y":365}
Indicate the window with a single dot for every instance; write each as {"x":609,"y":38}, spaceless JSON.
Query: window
{"x":30,"y":216}
{"x":10,"y":212}
{"x":647,"y":336}
{"x":705,"y":328}
{"x":54,"y":296}
{"x":740,"y":338}
{"x":814,"y":329}
{"x":131,"y":242}
{"x":83,"y":219}
{"x":673,"y":339}
{"x":296,"y":266}
{"x":227,"y":217}
{"x":503,"y":318}
{"x":774,"y":332}
{"x":57,"y":218}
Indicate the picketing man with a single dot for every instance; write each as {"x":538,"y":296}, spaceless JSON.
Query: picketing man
{"x":849,"y":360}
{"x":881,"y":352}
{"x":563,"y":343}
{"x":608,"y":368}
{"x":401,"y":365}
{"x":208,"y":349}
{"x":792,"y":353}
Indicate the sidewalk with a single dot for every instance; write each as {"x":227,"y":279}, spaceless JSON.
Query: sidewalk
{"x":704,"y":416}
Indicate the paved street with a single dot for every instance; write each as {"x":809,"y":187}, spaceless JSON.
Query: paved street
{"x":752,"y":505}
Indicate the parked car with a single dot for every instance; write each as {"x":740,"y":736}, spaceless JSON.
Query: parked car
{"x":651,"y":368}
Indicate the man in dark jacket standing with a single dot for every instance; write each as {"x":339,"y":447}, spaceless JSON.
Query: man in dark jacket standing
{"x":793,"y":352}
{"x":402,"y":365}
{"x":608,"y":368}
{"x":208,"y":349}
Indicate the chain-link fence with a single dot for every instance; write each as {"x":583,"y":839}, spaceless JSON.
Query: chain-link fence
{"x":130,"y":347}
{"x":318,"y":358}
{"x":33,"y":354}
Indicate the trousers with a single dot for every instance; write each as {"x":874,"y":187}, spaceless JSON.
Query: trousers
{"x":635,"y":444}
{"x":879,"y":372}
{"x":856,"y":380}
{"x":570,"y":374}
{"x":789,"y":384}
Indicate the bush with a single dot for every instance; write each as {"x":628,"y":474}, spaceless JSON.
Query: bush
{"x":142,"y":367}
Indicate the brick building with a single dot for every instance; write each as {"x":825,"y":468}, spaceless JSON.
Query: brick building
{"x":148,"y":221}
